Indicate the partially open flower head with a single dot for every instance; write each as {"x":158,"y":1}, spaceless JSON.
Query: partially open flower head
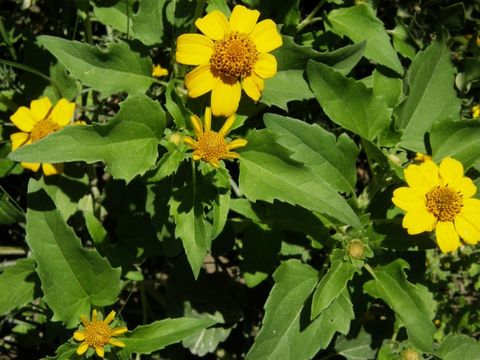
{"x":38,"y":121}
{"x":211,"y":146}
{"x":440,"y":198}
{"x":96,"y":333}
{"x":158,"y":71}
{"x":231,"y":55}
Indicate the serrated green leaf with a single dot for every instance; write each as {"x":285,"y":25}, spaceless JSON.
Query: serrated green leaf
{"x":284,"y":87}
{"x":413,"y":304}
{"x":64,"y":352}
{"x":17,"y":285}
{"x":431,"y":95}
{"x":127,"y":144}
{"x":332,"y":284}
{"x":148,"y":22}
{"x":456,"y":346}
{"x":331,"y":159}
{"x":73,"y":278}
{"x":260,"y":250}
{"x":168,"y":164}
{"x":347,"y":102}
{"x":267,"y":172}
{"x":458,"y":140}
{"x":118,"y":69}
{"x":356,"y":349}
{"x":359,"y":23}
{"x":155,"y":336}
{"x":285,"y":332}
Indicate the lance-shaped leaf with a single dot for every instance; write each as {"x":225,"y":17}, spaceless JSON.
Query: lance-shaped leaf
{"x":127,"y":144}
{"x":267,"y":172}
{"x":330,"y":158}
{"x":413,"y":304}
{"x":347,"y":102}
{"x":431,"y":95}
{"x":17,"y":285}
{"x":155,"y":336}
{"x":73,"y":278}
{"x":359,"y":23}
{"x":332,"y":284}
{"x":117,"y":69}
{"x":286,"y":332}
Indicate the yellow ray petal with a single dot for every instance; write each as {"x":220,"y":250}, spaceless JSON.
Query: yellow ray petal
{"x":79,"y":335}
{"x":450,"y":171}
{"x":100,"y":351}
{"x":94,"y":315}
{"x":190,"y":142}
{"x":447,"y":237}
{"x":237,"y":143}
{"x":197,"y":125}
{"x":407,"y":199}
{"x":40,"y":108}
{"x":199,"y":81}
{"x":119,"y":331}
{"x":63,"y":111}
{"x":193,"y":49}
{"x":266,"y":66}
{"x":466,"y":186}
{"x":82,"y":348}
{"x":471,"y":206}
{"x":231,"y":155}
{"x":214,"y":25}
{"x":84,"y":320}
{"x":468,"y":227}
{"x":116,"y":342}
{"x":227,"y":125}
{"x":207,"y":124}
{"x":52,"y":169}
{"x":109,"y":318}
{"x":31,"y":166}
{"x":196,"y":157}
{"x":265,"y":36}
{"x":243,"y":20}
{"x":24,"y":119}
{"x":19,"y":139}
{"x":225,"y":98}
{"x":253,"y":86}
{"x":422,"y":179}
{"x":418,"y":221}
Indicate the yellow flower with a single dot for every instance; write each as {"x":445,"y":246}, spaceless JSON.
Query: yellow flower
{"x":419,"y":157}
{"x":440,"y":198}
{"x":210,"y":145}
{"x":476,"y":111}
{"x":37,"y":122}
{"x":158,"y":71}
{"x":96,"y":334}
{"x":231,"y":55}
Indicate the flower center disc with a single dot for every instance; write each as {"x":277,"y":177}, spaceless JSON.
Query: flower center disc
{"x":444,"y":203}
{"x":97,"y":334}
{"x":211,"y":146}
{"x":235,"y":55}
{"x":43,"y":128}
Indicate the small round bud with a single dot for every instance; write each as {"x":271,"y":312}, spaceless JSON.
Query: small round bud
{"x":410,"y":354}
{"x":356,"y":249}
{"x":175,"y":138}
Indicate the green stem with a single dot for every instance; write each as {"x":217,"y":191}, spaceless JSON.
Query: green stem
{"x":308,"y":20}
{"x":370,"y":270}
{"x":194,"y":180}
{"x":33,"y":71}
{"x":88,"y":28}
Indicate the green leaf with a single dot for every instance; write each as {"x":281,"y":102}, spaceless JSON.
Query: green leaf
{"x":285,"y":12}
{"x":469,"y":75}
{"x":117,"y":69}
{"x":356,"y":349}
{"x":286,"y":332}
{"x":388,"y":87}
{"x":359,"y":23}
{"x":260,"y":250}
{"x":64,"y":352}
{"x":284,"y":87}
{"x":401,"y":41}
{"x":191,"y":226}
{"x":148,"y":22}
{"x":347,"y":102}
{"x":159,"y":334}
{"x":456,"y":346}
{"x":206,"y":341}
{"x":127,"y":144}
{"x":17,"y":285}
{"x":332,"y":284}
{"x":294,"y":56}
{"x":267,"y":173}
{"x":431,"y":95}
{"x":73,"y":278}
{"x":168,"y":164}
{"x":117,"y":15}
{"x":331,"y":159}
{"x":175,"y":105}
{"x":413,"y":304}
{"x":9,"y":212}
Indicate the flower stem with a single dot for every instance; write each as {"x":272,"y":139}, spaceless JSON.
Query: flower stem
{"x":308,"y":20}
{"x":370,"y":270}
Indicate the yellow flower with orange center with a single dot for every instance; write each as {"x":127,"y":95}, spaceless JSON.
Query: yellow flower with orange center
{"x":210,"y":146}
{"x":97,"y":333}
{"x":37,"y":122}
{"x":440,"y":198}
{"x":231,"y":55}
